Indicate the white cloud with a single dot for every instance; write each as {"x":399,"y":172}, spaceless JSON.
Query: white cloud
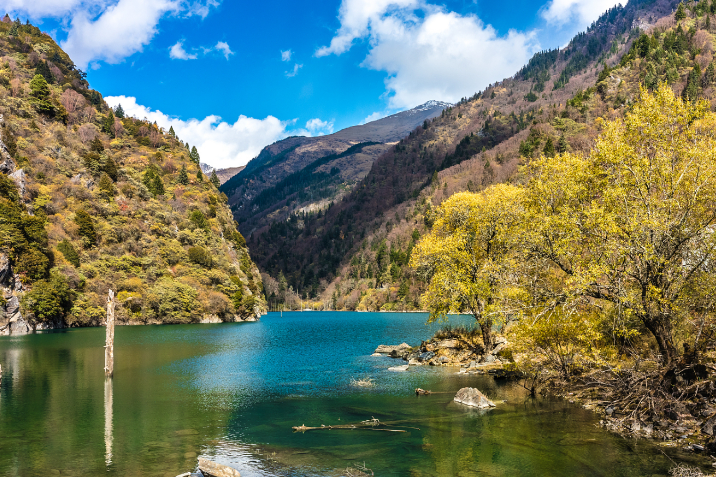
{"x":374,"y":117}
{"x":177,"y":52}
{"x":428,"y":52}
{"x":286,"y":55}
{"x":108,"y":30}
{"x":221,"y":144}
{"x":223,"y":47}
{"x":317,"y":127}
{"x":583,"y":12}
{"x":291,"y":74}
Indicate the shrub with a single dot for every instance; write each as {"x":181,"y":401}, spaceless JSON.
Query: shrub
{"x":199,"y":220}
{"x":32,"y":263}
{"x":49,"y":299}
{"x":200,"y":256}
{"x":86,"y":227}
{"x":172,"y":301}
{"x":69,"y":251}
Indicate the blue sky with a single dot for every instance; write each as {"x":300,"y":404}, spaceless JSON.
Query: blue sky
{"x":234,"y":76}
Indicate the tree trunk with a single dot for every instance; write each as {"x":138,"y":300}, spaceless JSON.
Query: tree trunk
{"x":109,"y":345}
{"x":660,"y":327}
{"x":487,"y":338}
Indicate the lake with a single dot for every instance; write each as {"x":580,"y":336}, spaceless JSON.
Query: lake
{"x":232,"y":392}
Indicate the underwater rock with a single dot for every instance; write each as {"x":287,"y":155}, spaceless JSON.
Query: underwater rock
{"x":473,"y":397}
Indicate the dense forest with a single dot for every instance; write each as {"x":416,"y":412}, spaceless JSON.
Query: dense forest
{"x":94,"y":200}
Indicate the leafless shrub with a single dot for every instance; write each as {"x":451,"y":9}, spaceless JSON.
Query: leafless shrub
{"x":87,"y":133}
{"x":72,"y":101}
{"x":155,"y":137}
{"x":15,"y":87}
{"x":118,"y":128}
{"x":682,"y":470}
{"x":88,"y":114}
{"x":33,"y":58}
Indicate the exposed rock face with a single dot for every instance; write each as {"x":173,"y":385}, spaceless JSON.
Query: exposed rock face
{"x":20,"y":180}
{"x":473,"y":397}
{"x":388,"y":349}
{"x":5,"y":270}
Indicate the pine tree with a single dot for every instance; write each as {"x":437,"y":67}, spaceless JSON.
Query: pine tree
{"x":194,"y":155}
{"x":680,"y":12}
{"x":691,"y":90}
{"x":215,"y":179}
{"x":43,"y":69}
{"x":106,"y":185}
{"x":183,"y":177}
{"x":110,"y":168}
{"x":709,"y":78}
{"x":86,"y":227}
{"x":171,"y":132}
{"x":157,"y":185}
{"x":548,"y":150}
{"x":96,"y":145}
{"x":108,"y":123}
{"x":14,"y":28}
{"x":40,"y":93}
{"x":119,"y":112}
{"x":199,"y":176}
{"x":69,"y":251}
{"x":562,"y":145}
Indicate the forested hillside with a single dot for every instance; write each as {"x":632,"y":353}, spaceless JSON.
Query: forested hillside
{"x":354,"y":255}
{"x":92,"y":200}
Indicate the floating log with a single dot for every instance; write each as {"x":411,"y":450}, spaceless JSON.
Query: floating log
{"x":368,"y":424}
{"x":214,"y":469}
{"x":109,"y":345}
{"x":421,"y":392}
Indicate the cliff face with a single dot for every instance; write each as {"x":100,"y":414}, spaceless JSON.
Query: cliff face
{"x":91,"y":200}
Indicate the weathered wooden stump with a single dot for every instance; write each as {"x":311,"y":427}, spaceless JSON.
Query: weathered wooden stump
{"x":109,"y":345}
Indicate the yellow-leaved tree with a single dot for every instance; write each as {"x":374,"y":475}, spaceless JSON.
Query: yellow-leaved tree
{"x":467,"y":258}
{"x":632,"y":223}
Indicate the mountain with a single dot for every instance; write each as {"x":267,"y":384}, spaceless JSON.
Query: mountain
{"x":223,"y":174}
{"x":277,"y":183}
{"x":91,"y":201}
{"x":354,"y":253}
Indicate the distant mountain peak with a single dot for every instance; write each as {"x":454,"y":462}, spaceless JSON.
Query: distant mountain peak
{"x":432,"y":104}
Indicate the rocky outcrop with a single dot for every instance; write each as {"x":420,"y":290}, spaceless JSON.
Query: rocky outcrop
{"x":20,"y":181}
{"x":474,"y":398}
{"x":214,"y":469}
{"x":387,"y":349}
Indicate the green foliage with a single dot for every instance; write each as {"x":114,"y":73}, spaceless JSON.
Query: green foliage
{"x":10,"y":142}
{"x":693,"y":84}
{"x":215,"y":179}
{"x":108,"y":123}
{"x":8,"y":189}
{"x":199,"y":220}
{"x":86,"y":228}
{"x":531,"y":97}
{"x":680,"y":12}
{"x":69,"y":251}
{"x":183,"y":178}
{"x":548,"y":150}
{"x":32,"y":263}
{"x":49,"y":299}
{"x":110,"y":168}
{"x":199,"y":176}
{"x":44,"y":70}
{"x":119,"y":112}
{"x":96,"y":145}
{"x":194,"y":155}
{"x":200,"y":256}
{"x":106,"y":185}
{"x":40,"y":93}
{"x":152,"y":180}
{"x":172,"y":301}
{"x":709,"y":78}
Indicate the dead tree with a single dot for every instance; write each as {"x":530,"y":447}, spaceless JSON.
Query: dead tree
{"x":109,"y":345}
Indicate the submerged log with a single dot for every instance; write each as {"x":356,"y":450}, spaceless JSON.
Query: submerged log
{"x":214,"y":469}
{"x":109,"y":345}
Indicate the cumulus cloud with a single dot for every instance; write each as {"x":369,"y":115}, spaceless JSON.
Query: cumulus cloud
{"x":286,"y":55}
{"x":428,"y":52}
{"x":582,"y":12}
{"x":220,"y":143}
{"x":317,"y":127}
{"x":177,"y":52}
{"x":291,"y":74}
{"x":108,"y":30}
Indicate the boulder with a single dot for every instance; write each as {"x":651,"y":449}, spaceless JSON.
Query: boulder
{"x":213,"y":469}
{"x":489,"y":359}
{"x":473,"y":397}
{"x":5,"y":270}
{"x":387,"y":348}
{"x":376,"y":354}
{"x":709,"y":425}
{"x":443,"y":359}
{"x":20,"y":181}
{"x":427,"y":356}
{"x":399,"y":368}
{"x":447,"y":344}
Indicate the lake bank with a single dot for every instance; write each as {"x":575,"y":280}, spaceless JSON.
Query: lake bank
{"x":232,"y":392}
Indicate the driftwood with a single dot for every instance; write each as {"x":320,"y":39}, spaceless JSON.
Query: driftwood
{"x":109,"y":345}
{"x":368,"y":425}
{"x":423,"y":392}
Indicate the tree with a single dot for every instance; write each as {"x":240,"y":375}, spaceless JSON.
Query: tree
{"x":108,"y":124}
{"x":96,"y":145}
{"x":215,"y":179}
{"x":183,"y":178}
{"x":86,"y":227}
{"x":199,"y":176}
{"x":680,"y":12}
{"x":171,"y":132}
{"x":562,"y":145}
{"x":548,"y":148}
{"x":43,"y":69}
{"x":110,"y":167}
{"x":106,"y":186}
{"x":199,"y":220}
{"x":119,"y":112}
{"x":194,"y":155}
{"x":69,"y":251}
{"x":631,"y":224}
{"x":693,"y":81}
{"x":48,"y":299}
{"x":157,"y":185}
{"x":40,"y":95}
{"x":709,"y":78}
{"x":466,"y":258}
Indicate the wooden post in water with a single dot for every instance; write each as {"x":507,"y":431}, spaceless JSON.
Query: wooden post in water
{"x":109,"y":345}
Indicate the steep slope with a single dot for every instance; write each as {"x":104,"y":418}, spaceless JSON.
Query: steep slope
{"x":355,"y":254}
{"x":92,"y":201}
{"x":345,"y":158}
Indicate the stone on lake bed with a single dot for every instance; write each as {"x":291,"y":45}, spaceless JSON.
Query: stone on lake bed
{"x":215,"y":469}
{"x":473,"y":397}
{"x":399,"y":368}
{"x":376,"y":354}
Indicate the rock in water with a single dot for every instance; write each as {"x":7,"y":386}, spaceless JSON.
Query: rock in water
{"x":473,"y":397}
{"x":399,"y":368}
{"x":387,"y":348}
{"x":213,"y":469}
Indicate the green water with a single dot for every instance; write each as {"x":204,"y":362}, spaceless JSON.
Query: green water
{"x":232,"y":392}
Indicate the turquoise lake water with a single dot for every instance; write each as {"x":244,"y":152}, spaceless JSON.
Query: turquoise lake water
{"x":232,"y":392}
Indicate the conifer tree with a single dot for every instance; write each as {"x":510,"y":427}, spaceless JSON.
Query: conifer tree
{"x":106,"y":185}
{"x":183,"y":177}
{"x":562,"y":145}
{"x":199,"y":176}
{"x":680,"y":12}
{"x":194,"y":155}
{"x":548,"y":150}
{"x":171,"y":132}
{"x":691,"y":90}
{"x":69,"y":251}
{"x":86,"y":227}
{"x":96,"y":145}
{"x":119,"y":112}
{"x":215,"y":179}
{"x":43,"y":69}
{"x":108,"y":123}
{"x":709,"y":78}
{"x":40,"y":93}
{"x":110,"y":168}
{"x":157,"y":185}
{"x":14,"y":28}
